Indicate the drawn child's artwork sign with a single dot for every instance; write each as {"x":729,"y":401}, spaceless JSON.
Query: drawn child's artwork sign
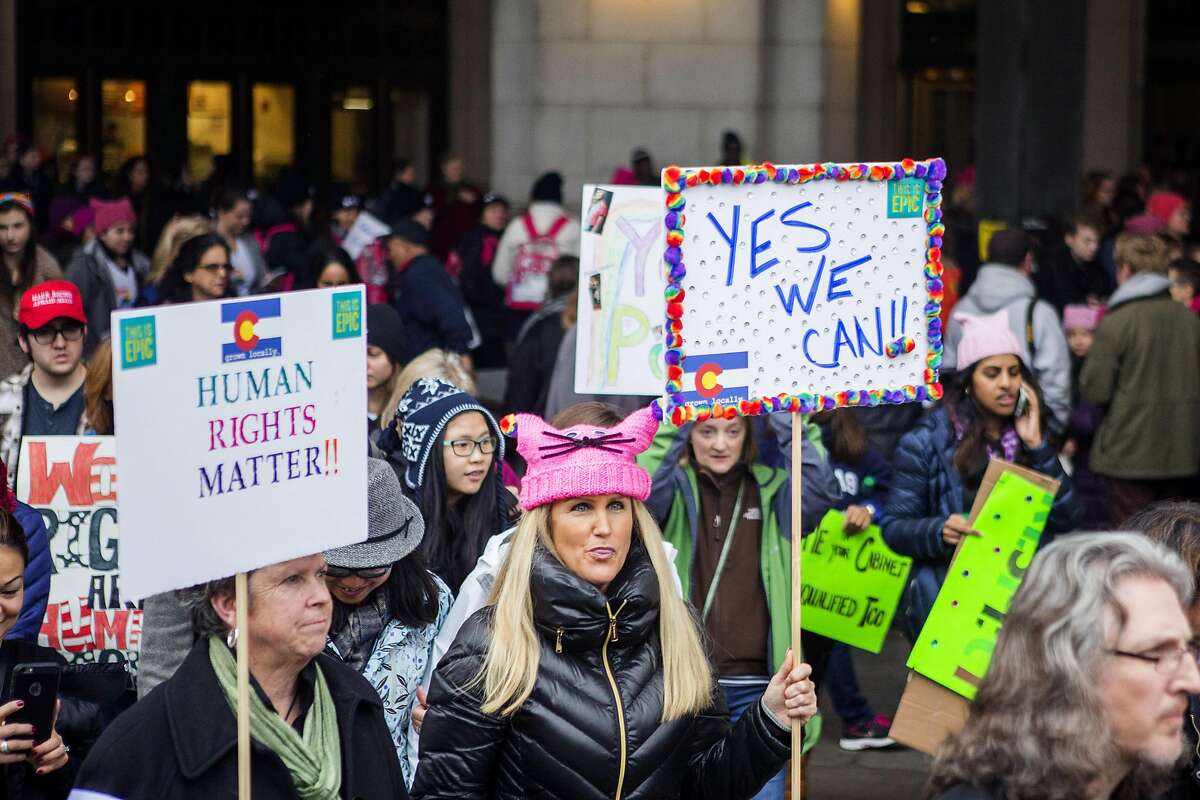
{"x":240,"y":434}
{"x":619,"y":341}
{"x":800,"y":288}
{"x":72,"y":482}
{"x":955,"y":645}
{"x":853,"y":583}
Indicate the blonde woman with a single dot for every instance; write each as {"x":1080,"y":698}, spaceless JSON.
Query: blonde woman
{"x":582,"y":678}
{"x":176,"y":232}
{"x":433,"y":363}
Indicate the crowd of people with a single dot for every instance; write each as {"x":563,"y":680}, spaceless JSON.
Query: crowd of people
{"x":561,"y":597}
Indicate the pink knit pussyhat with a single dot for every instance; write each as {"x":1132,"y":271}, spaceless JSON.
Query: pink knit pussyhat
{"x":582,"y":460}
{"x":985,"y":336}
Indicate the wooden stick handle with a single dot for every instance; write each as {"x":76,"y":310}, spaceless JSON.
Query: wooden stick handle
{"x":242,"y":602}
{"x":797,"y":506}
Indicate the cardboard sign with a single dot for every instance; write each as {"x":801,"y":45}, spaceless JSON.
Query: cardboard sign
{"x":927,"y":714}
{"x":852,"y":583}
{"x":801,"y":288}
{"x":240,"y":434}
{"x":366,"y":229}
{"x":956,"y":643}
{"x":72,"y":482}
{"x":618,"y":348}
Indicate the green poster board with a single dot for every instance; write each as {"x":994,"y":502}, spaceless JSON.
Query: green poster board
{"x":851,"y":584}
{"x":955,"y":646}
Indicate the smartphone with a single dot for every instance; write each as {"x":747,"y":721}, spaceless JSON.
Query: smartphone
{"x":37,"y":685}
{"x":1022,"y":402}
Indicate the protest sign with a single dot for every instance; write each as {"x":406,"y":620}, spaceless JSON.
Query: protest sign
{"x":619,"y":341}
{"x":801,"y":288}
{"x":852,"y":583}
{"x":366,"y":229}
{"x":927,"y":714}
{"x":955,"y":645}
{"x":240,"y":432}
{"x":72,"y":482}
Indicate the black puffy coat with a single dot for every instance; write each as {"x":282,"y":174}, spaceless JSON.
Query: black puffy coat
{"x":592,"y":727}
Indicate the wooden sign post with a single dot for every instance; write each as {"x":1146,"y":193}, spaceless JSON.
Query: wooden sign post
{"x":242,"y":603}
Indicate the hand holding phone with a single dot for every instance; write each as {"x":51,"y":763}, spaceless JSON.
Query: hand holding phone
{"x":36,"y":687}
{"x":1022,"y":403}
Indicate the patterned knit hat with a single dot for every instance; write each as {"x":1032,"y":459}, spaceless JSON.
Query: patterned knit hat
{"x":424,"y":411}
{"x":582,"y":460}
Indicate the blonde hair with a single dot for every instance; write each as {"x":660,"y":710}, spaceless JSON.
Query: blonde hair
{"x":1141,"y":252}
{"x":510,"y":667}
{"x":174,"y":234}
{"x":433,"y":363}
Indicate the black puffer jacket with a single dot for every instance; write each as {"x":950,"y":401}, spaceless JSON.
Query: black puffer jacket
{"x":591,"y":729}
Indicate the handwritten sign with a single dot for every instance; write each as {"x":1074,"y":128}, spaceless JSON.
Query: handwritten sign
{"x":365,"y":230}
{"x":852,"y":583}
{"x":618,"y":348}
{"x":802,"y":288}
{"x":240,"y":434}
{"x":72,"y":482}
{"x":955,"y":646}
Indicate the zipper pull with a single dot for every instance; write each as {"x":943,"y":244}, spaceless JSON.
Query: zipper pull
{"x":558,"y":641}
{"x":612,"y":629}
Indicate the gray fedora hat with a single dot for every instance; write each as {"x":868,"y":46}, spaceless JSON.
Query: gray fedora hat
{"x":395,"y":525}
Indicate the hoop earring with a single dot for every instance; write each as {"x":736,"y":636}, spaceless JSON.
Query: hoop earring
{"x":231,"y":638}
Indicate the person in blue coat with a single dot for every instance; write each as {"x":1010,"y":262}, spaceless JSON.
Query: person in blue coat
{"x":37,"y":574}
{"x":993,"y":408}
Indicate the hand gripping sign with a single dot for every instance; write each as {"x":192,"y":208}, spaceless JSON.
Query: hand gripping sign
{"x":802,"y":288}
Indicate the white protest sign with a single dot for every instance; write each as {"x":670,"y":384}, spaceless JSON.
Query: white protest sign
{"x":801,"y":288}
{"x":72,"y":482}
{"x":619,"y":341}
{"x":240,"y":432}
{"x":366,"y":229}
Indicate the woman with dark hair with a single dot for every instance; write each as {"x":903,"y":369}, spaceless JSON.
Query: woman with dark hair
{"x":447,"y":449}
{"x":328,"y":265}
{"x":200,"y":271}
{"x":135,"y":180}
{"x":31,"y":762}
{"x":993,"y":409}
{"x":387,"y":607}
{"x":231,"y":209}
{"x":26,"y":263}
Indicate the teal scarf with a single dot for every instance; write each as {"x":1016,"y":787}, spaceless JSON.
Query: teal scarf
{"x":314,"y":759}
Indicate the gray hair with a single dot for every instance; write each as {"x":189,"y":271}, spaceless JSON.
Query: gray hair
{"x":198,"y":602}
{"x":1023,"y":734}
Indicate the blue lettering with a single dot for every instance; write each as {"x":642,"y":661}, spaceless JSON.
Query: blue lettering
{"x":864,"y":344}
{"x":841,"y":337}
{"x":756,"y":248}
{"x":213,"y":484}
{"x":836,"y":279}
{"x":730,"y":239}
{"x":794,"y":292}
{"x":795,"y":223}
{"x":804,"y":345}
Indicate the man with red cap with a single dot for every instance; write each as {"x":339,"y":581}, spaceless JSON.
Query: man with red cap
{"x":45,"y":398}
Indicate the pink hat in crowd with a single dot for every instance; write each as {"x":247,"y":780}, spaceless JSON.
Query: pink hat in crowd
{"x":1161,"y":205}
{"x":1143,"y":223}
{"x":112,"y":212}
{"x":581,"y":460}
{"x":985,"y":336}
{"x":1081,"y":316}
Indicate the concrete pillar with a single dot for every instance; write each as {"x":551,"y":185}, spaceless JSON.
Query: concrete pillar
{"x":470,"y":85}
{"x":1113,"y":87}
{"x":1028,"y":117}
{"x":842,"y":79}
{"x":513,"y":73}
{"x":8,"y":67}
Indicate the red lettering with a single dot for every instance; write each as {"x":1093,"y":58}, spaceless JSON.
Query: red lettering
{"x":75,"y":479}
{"x":109,"y":630}
{"x":310,"y":416}
{"x":215,"y":428}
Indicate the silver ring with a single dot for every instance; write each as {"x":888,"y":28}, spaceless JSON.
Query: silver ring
{"x":4,"y":746}
{"x":66,"y":747}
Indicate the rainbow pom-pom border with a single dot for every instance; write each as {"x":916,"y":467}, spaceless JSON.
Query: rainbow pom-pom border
{"x":677,"y":180}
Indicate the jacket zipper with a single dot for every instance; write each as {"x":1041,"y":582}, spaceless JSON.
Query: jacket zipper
{"x":558,"y":640}
{"x":1192,"y":717}
{"x":611,"y":636}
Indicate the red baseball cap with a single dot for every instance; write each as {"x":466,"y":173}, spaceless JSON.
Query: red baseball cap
{"x":49,"y":301}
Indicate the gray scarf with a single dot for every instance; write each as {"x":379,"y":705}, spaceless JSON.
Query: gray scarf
{"x":355,"y":628}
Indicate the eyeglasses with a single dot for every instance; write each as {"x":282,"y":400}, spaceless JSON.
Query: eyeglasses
{"x":366,"y":573}
{"x":216,"y":267}
{"x":1168,"y":662}
{"x":47,"y":335}
{"x":465,"y":447}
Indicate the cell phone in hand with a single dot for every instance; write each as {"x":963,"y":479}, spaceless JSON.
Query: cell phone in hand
{"x":36,"y":685}
{"x":1022,"y":402}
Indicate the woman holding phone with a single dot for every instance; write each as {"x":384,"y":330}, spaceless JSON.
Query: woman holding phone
{"x":993,"y":408}
{"x":31,"y":759}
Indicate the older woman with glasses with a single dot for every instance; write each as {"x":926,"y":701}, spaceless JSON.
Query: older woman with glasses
{"x":387,"y":608}
{"x":200,"y":272}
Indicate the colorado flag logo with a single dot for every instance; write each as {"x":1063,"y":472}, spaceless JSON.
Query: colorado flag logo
{"x":247,"y":344}
{"x":711,"y":374}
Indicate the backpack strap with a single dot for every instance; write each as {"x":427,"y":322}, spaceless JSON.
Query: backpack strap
{"x":558,"y":225}
{"x":1029,"y":337}
{"x":527,"y":218}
